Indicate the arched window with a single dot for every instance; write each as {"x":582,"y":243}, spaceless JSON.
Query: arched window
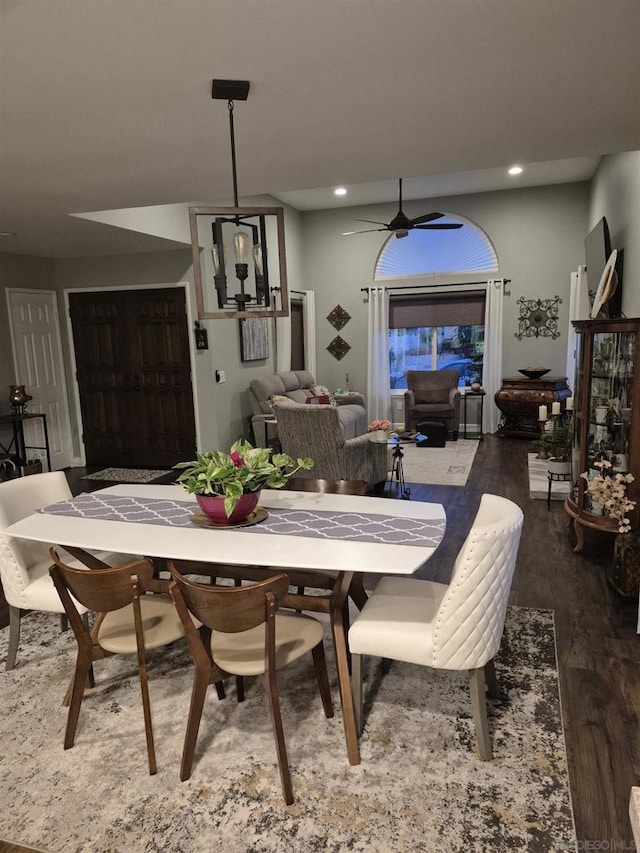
{"x":462,"y":250}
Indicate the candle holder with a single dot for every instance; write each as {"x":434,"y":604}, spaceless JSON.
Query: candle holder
{"x":556,"y":440}
{"x":18,"y":398}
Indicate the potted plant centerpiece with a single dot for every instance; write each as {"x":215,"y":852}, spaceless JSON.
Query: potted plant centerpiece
{"x":555,"y":444}
{"x":227,"y":485}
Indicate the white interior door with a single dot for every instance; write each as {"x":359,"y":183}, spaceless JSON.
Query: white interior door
{"x":37,"y":358}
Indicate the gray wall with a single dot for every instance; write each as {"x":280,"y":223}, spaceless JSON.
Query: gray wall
{"x":616,"y":195}
{"x":538,"y":234}
{"x":222,"y":412}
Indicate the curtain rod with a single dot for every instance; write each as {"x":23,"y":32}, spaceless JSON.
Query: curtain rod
{"x":277,"y":289}
{"x":428,"y":286}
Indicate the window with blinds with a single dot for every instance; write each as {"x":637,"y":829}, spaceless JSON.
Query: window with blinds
{"x":436,"y":332}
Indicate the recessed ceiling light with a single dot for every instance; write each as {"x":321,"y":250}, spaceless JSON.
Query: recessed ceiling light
{"x":515,"y":170}
{"x":8,"y":233}
{"x":340,"y":191}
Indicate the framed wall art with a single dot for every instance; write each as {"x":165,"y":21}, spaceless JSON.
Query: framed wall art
{"x":254,"y":339}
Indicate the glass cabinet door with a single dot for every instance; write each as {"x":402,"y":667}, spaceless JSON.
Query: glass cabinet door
{"x":610,"y":399}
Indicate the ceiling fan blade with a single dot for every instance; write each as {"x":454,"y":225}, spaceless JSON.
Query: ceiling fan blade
{"x":372,"y":221}
{"x":445,"y":226}
{"x":366,"y":231}
{"x":426,"y":217}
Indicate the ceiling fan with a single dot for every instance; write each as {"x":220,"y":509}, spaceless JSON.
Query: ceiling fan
{"x":401,"y":224}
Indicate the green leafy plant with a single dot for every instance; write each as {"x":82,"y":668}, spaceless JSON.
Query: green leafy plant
{"x":556,"y":442}
{"x":244,"y":469}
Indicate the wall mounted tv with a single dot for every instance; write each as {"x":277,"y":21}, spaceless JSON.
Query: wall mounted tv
{"x":597,"y":248}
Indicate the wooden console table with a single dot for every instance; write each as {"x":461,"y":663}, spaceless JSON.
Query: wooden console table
{"x":519,"y":398}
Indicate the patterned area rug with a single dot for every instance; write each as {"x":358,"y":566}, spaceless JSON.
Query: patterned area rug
{"x":439,"y":466}
{"x":419,"y":787}
{"x":126,"y":475}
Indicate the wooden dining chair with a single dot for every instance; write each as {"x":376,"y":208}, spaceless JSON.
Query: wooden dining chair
{"x":335,"y":589}
{"x":243,"y":633}
{"x":127,"y":622}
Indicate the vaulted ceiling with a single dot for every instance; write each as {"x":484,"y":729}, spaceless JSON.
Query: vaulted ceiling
{"x":107,"y":104}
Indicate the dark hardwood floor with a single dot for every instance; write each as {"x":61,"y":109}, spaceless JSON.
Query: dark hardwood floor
{"x":598,"y":648}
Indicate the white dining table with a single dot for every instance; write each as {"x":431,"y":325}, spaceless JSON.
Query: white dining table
{"x":129,"y":518}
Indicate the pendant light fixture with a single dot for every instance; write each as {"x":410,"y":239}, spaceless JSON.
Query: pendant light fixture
{"x":255,"y":284}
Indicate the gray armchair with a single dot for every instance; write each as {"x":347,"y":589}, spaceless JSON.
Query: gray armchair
{"x":297,"y":385}
{"x":316,"y":431}
{"x":433,"y":396}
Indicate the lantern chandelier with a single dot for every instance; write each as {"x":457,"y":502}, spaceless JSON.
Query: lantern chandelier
{"x":254,"y":283}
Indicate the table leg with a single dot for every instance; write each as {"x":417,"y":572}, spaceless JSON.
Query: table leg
{"x":340,"y":642}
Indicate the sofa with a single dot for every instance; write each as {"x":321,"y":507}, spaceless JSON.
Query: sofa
{"x":298,"y":386}
{"x":433,"y":395}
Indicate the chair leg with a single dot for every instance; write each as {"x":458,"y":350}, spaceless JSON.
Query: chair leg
{"x":341,"y":648}
{"x":91,"y":681}
{"x":240,"y":688}
{"x":146,"y":709}
{"x":356,"y":684}
{"x":14,"y":635}
{"x":357,"y":591}
{"x":83,"y":664}
{"x":479,"y":710}
{"x":64,"y":623}
{"x":271,"y":690}
{"x":320,"y":664}
{"x":198,"y":694}
{"x":492,"y":681}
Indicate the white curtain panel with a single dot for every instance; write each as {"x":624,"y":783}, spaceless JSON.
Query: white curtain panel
{"x":378,"y":378}
{"x":492,"y":367}
{"x":309,"y":322}
{"x":579,"y":307}
{"x":283,"y":342}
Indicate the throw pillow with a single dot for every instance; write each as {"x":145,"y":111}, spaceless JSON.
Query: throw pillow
{"x":322,"y":400}
{"x":282,"y":400}
{"x":437,"y":395}
{"x":323,"y":391}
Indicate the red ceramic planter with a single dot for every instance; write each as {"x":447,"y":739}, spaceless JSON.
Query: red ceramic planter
{"x":213,"y":507}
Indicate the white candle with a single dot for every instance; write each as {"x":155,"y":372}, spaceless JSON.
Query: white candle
{"x":555,"y":408}
{"x":569,"y":404}
{"x":542,"y":413}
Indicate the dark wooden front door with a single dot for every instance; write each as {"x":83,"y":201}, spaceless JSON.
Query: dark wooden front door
{"x":134,"y":377}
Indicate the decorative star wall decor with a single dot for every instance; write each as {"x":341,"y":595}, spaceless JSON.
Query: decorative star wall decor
{"x":339,"y":317}
{"x":538,"y":318}
{"x":339,"y":347}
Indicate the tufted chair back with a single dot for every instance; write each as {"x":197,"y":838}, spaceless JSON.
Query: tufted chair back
{"x":18,"y":499}
{"x":470,"y":619}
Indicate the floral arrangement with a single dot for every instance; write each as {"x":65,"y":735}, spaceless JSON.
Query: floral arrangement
{"x":378,"y":424}
{"x":244,"y":469}
{"x":609,"y":490}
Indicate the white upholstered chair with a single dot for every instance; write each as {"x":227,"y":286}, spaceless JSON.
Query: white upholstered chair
{"x":454,"y":626}
{"x":24,"y":566}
